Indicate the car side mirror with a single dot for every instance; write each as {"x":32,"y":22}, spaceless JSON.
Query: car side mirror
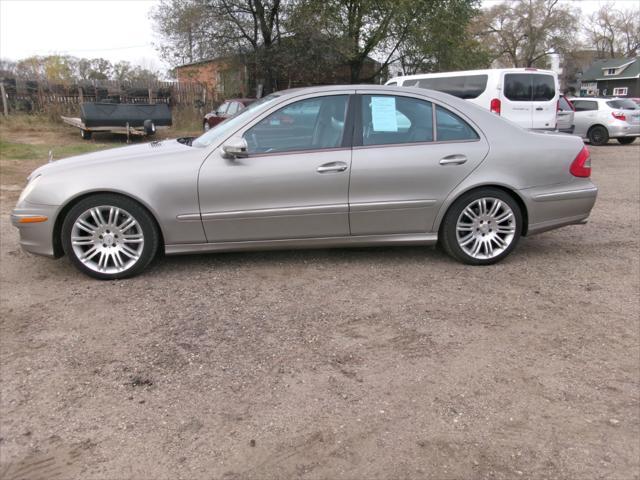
{"x":235,"y":147}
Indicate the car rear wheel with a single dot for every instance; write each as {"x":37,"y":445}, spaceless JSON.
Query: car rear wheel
{"x":626,"y":140}
{"x":109,"y":236}
{"x":598,"y":135}
{"x":482,"y":227}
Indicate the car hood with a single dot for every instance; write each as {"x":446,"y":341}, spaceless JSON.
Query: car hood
{"x":144,"y":152}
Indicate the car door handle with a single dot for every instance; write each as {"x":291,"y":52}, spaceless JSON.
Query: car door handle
{"x":453,"y":160}
{"x":539,"y":108}
{"x":332,"y":167}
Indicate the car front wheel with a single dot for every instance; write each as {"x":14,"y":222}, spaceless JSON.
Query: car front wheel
{"x":482,"y":227}
{"x":109,"y":236}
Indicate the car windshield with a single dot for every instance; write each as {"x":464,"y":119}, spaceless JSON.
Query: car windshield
{"x":624,"y":103}
{"x":224,"y":128}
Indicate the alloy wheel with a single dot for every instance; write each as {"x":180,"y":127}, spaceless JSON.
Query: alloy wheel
{"x":107,"y":239}
{"x":485,"y":228}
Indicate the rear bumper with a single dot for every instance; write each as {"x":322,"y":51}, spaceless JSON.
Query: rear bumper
{"x":36,"y":238}
{"x":620,"y":131}
{"x":559,"y":205}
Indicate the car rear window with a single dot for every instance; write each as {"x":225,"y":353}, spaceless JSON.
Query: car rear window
{"x":624,"y":103}
{"x":470,"y":86}
{"x":528,"y":87}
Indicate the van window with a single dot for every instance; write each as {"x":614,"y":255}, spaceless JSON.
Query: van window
{"x":585,"y":105}
{"x":452,"y":127}
{"x":544,"y":88}
{"x":392,"y":83}
{"x":527,"y":87}
{"x":564,"y":105}
{"x":388,"y":119}
{"x":466,"y":87}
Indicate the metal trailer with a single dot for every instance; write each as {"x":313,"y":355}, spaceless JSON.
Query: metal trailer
{"x":148,"y":129}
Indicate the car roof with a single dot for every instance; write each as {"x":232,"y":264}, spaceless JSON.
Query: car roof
{"x":292,"y":92}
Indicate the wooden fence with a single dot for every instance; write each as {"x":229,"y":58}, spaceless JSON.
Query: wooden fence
{"x":37,"y":96}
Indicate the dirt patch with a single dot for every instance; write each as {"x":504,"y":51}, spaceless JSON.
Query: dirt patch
{"x":362,"y":363}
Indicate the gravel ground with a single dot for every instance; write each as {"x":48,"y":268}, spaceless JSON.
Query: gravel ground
{"x":364,"y":363}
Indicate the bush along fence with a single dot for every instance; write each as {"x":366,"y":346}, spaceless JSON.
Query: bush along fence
{"x":31,"y":96}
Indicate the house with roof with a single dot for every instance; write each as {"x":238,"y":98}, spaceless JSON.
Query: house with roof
{"x":617,"y":77}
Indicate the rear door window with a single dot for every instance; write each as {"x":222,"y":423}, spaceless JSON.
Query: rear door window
{"x":517,"y":87}
{"x":466,"y":87}
{"x":450,"y":127}
{"x":544,"y":88}
{"x":528,"y":87}
{"x":388,"y":119}
{"x":585,"y":105}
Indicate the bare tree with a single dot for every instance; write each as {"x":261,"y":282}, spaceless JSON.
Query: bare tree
{"x":522,"y":32}
{"x":614,"y":32}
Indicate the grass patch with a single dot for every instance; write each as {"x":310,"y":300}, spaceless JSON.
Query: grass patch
{"x":25,"y":151}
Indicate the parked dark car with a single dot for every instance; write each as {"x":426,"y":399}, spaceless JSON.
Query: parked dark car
{"x":225,"y":110}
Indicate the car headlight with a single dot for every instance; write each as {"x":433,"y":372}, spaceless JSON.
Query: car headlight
{"x":29,"y":188}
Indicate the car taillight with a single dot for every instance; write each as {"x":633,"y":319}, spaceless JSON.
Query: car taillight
{"x":581,"y":165}
{"x":558,"y":106}
{"x":618,"y":115}
{"x":495,"y":106}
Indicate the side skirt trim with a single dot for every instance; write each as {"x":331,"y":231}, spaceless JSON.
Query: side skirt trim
{"x":325,"y":242}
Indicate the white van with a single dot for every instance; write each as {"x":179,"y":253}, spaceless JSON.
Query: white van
{"x":526,"y":96}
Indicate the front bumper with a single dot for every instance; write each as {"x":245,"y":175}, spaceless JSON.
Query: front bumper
{"x":37,"y":237}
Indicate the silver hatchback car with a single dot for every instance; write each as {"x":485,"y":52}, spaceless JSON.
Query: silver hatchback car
{"x":599,"y":119}
{"x":316,"y":167}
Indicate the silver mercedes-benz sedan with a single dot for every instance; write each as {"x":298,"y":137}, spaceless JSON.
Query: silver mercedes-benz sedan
{"x":315,"y":167}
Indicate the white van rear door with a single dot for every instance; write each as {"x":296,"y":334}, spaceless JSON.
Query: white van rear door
{"x":516,"y":104}
{"x":545,"y":100}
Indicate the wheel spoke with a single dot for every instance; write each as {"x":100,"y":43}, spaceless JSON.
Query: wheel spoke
{"x":488,"y":248}
{"x":82,"y":240}
{"x":476,"y":247}
{"x":82,"y":224}
{"x":97,"y":216}
{"x":483,"y":206}
{"x":127,"y":224}
{"x":117,"y":260}
{"x":494,"y":208}
{"x":464,"y":227}
{"x":505,"y":216}
{"x":506,"y":229}
{"x":470,"y":213}
{"x":129,"y":252}
{"x":133,"y":238}
{"x":89,"y":254}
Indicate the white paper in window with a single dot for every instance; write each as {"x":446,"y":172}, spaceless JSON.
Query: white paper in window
{"x":383,"y":114}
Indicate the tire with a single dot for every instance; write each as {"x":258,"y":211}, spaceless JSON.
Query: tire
{"x":495,"y":239}
{"x":626,"y":140}
{"x":117,"y":237}
{"x":85,"y":134}
{"x":598,"y":135}
{"x":149,"y":127}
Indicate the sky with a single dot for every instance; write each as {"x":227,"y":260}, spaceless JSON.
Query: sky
{"x":114,"y":29}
